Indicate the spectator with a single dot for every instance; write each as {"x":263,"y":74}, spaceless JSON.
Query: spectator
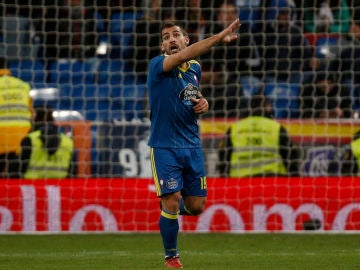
{"x":15,"y":116}
{"x":235,"y":63}
{"x":258,"y":145}
{"x":18,"y":39}
{"x":325,"y":98}
{"x":189,"y":13}
{"x":70,"y":30}
{"x":346,"y":59}
{"x":252,"y":12}
{"x":350,"y":157}
{"x":283,"y":47}
{"x":122,"y":26}
{"x":325,"y":16}
{"x":46,"y":152}
{"x":241,"y":56}
{"x":145,"y":42}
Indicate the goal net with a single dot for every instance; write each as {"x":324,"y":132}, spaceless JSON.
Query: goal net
{"x":88,"y":60}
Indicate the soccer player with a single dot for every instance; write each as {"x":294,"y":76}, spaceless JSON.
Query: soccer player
{"x":175,"y":102}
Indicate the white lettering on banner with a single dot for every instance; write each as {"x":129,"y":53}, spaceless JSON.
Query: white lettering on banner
{"x":131,"y":165}
{"x":236,"y":221}
{"x":144,"y":159}
{"x":54,"y":208}
{"x":108,"y":219}
{"x":7,"y":219}
{"x":342,"y":215}
{"x":28,"y":211}
{"x":287,"y":213}
{"x":128,"y":161}
{"x":29,"y":208}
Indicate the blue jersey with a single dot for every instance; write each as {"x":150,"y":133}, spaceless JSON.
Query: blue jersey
{"x":174,"y":124}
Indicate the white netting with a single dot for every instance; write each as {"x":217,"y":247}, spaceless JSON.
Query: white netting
{"x":89,"y":59}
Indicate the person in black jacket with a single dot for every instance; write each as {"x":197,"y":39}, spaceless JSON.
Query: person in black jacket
{"x":283,"y":46}
{"x":325,"y":98}
{"x":226,"y":65}
{"x":58,"y":147}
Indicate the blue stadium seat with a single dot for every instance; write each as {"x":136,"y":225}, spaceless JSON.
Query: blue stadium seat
{"x":122,"y":25}
{"x":97,"y":109}
{"x":129,"y":101}
{"x":93,"y":101}
{"x":284,"y":98}
{"x":68,"y":71}
{"x":31,"y":71}
{"x":110,"y":71}
{"x":324,"y":46}
{"x":249,"y":12}
{"x":250,"y":85}
{"x":114,"y":72}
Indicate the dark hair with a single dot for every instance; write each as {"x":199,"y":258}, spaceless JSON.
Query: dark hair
{"x":3,"y":63}
{"x":258,"y":101}
{"x":169,"y":24}
{"x":356,"y":15}
{"x":356,"y":135}
{"x":43,"y":114}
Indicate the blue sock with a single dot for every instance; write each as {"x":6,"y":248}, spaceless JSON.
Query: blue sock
{"x":169,"y":229}
{"x":183,"y":210}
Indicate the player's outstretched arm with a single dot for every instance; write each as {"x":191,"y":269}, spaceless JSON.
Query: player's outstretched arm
{"x":227,"y":35}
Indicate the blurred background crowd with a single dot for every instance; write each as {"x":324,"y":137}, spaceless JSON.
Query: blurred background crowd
{"x":301,"y":54}
{"x":91,"y":57}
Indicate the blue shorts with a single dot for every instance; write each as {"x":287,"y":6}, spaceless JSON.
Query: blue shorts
{"x":179,"y":169}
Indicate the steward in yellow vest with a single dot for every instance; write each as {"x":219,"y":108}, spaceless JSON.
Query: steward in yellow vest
{"x":15,"y":116}
{"x":45,"y":152}
{"x":257,"y":145}
{"x":351,"y":157}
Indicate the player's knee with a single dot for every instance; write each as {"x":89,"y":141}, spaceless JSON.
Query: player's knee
{"x":197,"y":207}
{"x":171,"y":202}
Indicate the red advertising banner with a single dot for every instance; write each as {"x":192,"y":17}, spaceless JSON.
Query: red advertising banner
{"x":130,"y":205}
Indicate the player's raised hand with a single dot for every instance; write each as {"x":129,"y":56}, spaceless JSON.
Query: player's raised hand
{"x":229,"y":34}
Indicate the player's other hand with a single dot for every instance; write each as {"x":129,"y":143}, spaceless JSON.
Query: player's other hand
{"x":201,"y":105}
{"x":229,"y":34}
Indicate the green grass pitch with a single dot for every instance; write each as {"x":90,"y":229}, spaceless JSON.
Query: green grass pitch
{"x":198,"y":251}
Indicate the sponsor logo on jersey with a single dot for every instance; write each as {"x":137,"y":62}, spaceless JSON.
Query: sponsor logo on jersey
{"x":189,"y":92}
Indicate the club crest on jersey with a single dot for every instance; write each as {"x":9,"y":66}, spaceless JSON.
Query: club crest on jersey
{"x":189,"y":92}
{"x":172,"y":184}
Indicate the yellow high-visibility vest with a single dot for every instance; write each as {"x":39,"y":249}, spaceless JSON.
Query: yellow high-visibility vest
{"x":14,"y":102}
{"x":355,"y":148}
{"x":42,"y":165}
{"x":255,"y":141}
{"x":15,"y":112}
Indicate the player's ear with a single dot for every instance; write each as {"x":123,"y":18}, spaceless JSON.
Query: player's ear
{"x":162,"y":48}
{"x":187,"y":40}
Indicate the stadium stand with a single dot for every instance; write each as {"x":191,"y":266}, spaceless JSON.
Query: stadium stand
{"x":32,"y":71}
{"x":105,"y":88}
{"x":97,"y":86}
{"x":122,"y":25}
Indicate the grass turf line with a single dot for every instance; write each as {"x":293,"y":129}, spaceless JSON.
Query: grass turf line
{"x":198,"y":251}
